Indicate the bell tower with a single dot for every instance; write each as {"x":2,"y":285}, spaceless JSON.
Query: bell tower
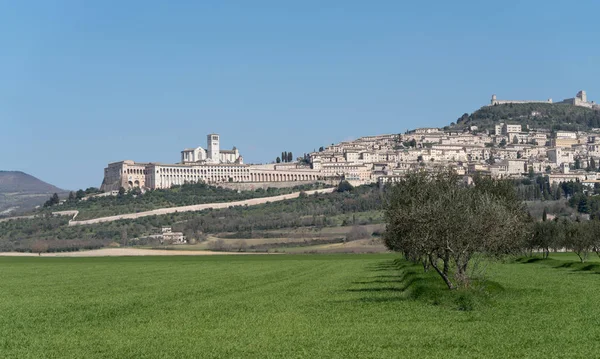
{"x":212,"y":143}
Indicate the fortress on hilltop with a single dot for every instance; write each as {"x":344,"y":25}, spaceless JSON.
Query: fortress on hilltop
{"x":579,"y":100}
{"x":495,"y":101}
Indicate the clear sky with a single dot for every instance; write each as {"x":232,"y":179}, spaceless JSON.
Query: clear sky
{"x":86,"y":83}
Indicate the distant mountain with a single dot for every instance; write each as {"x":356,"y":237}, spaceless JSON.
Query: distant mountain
{"x":16,"y":181}
{"x":20,"y":192}
{"x":557,"y":116}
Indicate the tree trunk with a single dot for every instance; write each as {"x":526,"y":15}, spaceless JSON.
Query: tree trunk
{"x":446,"y":263}
{"x":582,"y":256}
{"x":425,"y":264}
{"x":444,"y":276}
{"x":461,"y":270}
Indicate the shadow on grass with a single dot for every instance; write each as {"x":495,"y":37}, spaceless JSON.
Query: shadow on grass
{"x":400,"y":280}
{"x":560,"y":264}
{"x":379,"y":281}
{"x":533,"y":260}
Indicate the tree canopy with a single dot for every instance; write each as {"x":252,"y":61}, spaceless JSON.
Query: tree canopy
{"x":440,"y":221}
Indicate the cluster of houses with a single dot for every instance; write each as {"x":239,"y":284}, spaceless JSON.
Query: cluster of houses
{"x":509,"y":150}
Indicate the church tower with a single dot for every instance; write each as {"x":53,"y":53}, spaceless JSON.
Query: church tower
{"x":212,"y":143}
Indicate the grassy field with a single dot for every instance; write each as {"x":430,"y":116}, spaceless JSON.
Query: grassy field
{"x":292,"y":306}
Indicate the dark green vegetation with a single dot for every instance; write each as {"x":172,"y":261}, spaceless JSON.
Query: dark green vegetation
{"x":283,"y":306}
{"x":185,"y":195}
{"x":551,"y":116}
{"x":358,"y":205}
{"x":285,"y":157}
{"x":558,"y":199}
{"x":575,"y":195}
{"x":20,"y":192}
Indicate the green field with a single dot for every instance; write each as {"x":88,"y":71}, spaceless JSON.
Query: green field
{"x":292,"y":306}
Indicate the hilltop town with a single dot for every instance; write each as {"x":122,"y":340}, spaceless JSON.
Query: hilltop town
{"x":511,"y":147}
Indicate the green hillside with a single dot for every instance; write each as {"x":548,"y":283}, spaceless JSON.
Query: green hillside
{"x":537,"y":115}
{"x":185,"y":195}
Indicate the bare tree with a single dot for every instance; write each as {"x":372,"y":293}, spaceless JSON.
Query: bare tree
{"x":241,"y":245}
{"x":39,"y":247}
{"x":356,"y":233}
{"x":218,"y":245}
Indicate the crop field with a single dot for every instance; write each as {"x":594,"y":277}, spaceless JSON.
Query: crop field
{"x":293,"y":306}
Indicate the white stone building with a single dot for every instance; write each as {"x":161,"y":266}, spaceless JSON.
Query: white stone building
{"x":213,"y":153}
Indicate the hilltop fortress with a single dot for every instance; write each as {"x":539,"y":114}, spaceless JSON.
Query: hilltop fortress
{"x":579,"y":100}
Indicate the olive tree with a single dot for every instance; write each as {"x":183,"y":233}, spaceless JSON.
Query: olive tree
{"x":546,"y":235}
{"x":580,"y":237}
{"x":438,"y":220}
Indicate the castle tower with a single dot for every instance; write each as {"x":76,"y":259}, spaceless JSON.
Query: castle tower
{"x":494,"y":99}
{"x":582,"y":96}
{"x":212,"y":143}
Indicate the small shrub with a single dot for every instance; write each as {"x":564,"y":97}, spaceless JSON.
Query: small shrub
{"x":357,"y":233}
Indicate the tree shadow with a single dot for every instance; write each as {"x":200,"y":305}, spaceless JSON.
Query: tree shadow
{"x":378,"y":281}
{"x":560,"y":264}
{"x":593,"y":267}
{"x":399,"y":280}
{"x":533,"y":260}
{"x":392,"y":281}
{"x":380,"y":289}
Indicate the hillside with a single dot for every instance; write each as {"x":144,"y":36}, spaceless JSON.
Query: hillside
{"x":22,"y":192}
{"x":359,"y":206}
{"x":537,"y":115}
{"x":177,"y":196}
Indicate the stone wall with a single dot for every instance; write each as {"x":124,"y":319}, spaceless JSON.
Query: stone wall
{"x":252,"y":186}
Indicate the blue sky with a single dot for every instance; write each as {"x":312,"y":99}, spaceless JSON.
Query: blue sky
{"x":83,"y":84}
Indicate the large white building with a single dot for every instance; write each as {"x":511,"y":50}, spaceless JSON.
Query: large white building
{"x":212,"y":165}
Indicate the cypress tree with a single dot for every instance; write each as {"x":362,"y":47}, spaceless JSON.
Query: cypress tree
{"x":544,"y":215}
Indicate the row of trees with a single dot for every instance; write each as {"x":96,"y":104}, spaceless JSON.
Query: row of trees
{"x":73,"y":196}
{"x":581,"y":237}
{"x":285,"y":157}
{"x":439,"y":221}
{"x":79,"y":194}
{"x":579,"y":196}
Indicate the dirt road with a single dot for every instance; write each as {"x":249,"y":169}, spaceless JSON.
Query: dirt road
{"x":198,"y":207}
{"x":120,"y":252}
